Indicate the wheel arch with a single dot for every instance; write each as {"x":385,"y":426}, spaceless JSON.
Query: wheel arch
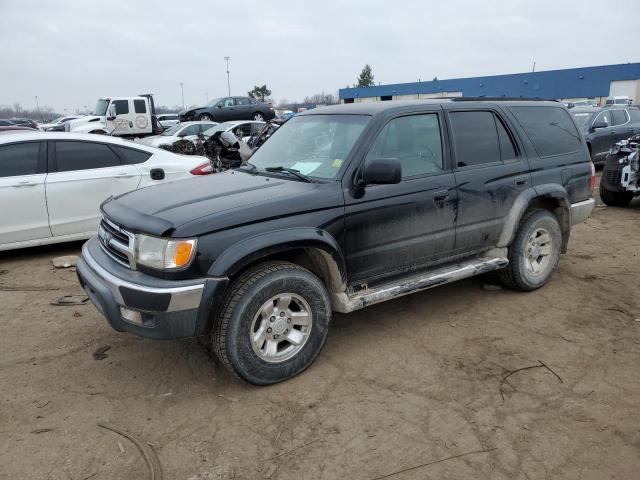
{"x":311,"y":248}
{"x":551,"y":197}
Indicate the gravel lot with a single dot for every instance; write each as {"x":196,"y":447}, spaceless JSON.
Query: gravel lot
{"x":410,"y":382}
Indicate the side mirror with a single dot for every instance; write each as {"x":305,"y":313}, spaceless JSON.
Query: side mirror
{"x":112,"y":112}
{"x":219,"y":106}
{"x":598,"y":125}
{"x":382,"y":171}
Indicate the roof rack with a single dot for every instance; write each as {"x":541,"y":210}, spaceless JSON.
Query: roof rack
{"x":498,"y":99}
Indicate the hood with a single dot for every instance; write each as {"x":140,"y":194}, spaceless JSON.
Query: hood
{"x":210,"y":203}
{"x":156,"y":140}
{"x":87,"y":123}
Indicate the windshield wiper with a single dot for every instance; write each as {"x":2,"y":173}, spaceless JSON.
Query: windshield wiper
{"x":251,"y":167}
{"x":291,"y":171}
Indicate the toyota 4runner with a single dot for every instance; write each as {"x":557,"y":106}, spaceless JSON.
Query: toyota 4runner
{"x":343,"y":207}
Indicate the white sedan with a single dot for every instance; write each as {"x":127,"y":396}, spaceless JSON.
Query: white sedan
{"x":52,"y":184}
{"x":178,"y":131}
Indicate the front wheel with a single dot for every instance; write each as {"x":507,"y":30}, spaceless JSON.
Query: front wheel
{"x":534,"y":253}
{"x":205,"y":117}
{"x":615,"y":199}
{"x":273,"y":323}
{"x":258,"y":116}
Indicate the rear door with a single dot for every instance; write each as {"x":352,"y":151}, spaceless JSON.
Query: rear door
{"x":23,"y":205}
{"x":243,"y":108}
{"x":602,"y":138}
{"x":84,"y":174}
{"x":401,"y":227}
{"x":141,"y":122}
{"x":490,"y":173}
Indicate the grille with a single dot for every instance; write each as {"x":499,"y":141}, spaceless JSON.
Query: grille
{"x":117,"y":243}
{"x":613,"y":175}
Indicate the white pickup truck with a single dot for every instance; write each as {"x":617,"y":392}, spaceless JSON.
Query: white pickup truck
{"x":120,"y":117}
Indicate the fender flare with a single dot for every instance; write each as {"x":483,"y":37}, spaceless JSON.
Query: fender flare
{"x":555,"y":192}
{"x":237,"y":256}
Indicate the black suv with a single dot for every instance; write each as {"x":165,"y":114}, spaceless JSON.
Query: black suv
{"x":229,"y":108}
{"x":603,"y":127}
{"x":343,"y":207}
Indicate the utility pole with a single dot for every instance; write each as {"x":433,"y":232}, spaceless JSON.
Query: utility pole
{"x":534,"y":66}
{"x":228,"y":83}
{"x":182,"y":90}
{"x":38,"y":106}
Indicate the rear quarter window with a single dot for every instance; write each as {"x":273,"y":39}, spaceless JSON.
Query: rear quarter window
{"x":550,"y":129}
{"x":130,"y":156}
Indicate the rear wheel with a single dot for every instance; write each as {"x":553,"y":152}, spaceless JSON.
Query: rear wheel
{"x":258,"y":116}
{"x":615,"y":199}
{"x":534,"y":253}
{"x":273,"y":323}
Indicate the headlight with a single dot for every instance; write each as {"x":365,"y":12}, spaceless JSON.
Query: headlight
{"x":164,"y":254}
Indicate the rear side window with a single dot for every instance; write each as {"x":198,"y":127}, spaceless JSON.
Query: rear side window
{"x":618,"y":117}
{"x":140,"y":106}
{"x":131,"y":156}
{"x":72,"y":156}
{"x":122,"y":107}
{"x":550,"y":129}
{"x":475,"y":138}
{"x":19,"y":159}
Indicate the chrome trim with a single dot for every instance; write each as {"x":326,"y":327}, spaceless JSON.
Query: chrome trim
{"x":182,"y":298}
{"x":128,"y":250}
{"x":580,"y":211}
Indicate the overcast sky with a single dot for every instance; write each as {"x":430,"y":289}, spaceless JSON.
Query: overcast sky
{"x":69,"y":53}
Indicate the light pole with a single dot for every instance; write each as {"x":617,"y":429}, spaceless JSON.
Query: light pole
{"x":182,"y":90}
{"x":228,"y":83}
{"x":37,"y":106}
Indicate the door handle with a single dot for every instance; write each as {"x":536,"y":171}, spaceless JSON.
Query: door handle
{"x":25,"y":183}
{"x":441,"y":196}
{"x":521,"y":183}
{"x":123,"y":175}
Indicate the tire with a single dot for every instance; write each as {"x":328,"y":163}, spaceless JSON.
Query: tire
{"x":264,"y":289}
{"x":258,"y":116}
{"x":538,"y":232}
{"x":205,"y":117}
{"x":615,"y":199}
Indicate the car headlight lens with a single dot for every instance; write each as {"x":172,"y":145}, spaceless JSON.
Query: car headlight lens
{"x":164,"y":254}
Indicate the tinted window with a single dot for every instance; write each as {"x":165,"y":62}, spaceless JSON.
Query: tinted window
{"x":242,"y":101}
{"x":190,"y":130}
{"x":19,"y":159}
{"x":122,"y":107}
{"x":618,"y":117}
{"x":415,"y":140}
{"x":550,"y":129}
{"x":130,"y":156}
{"x":507,"y":150}
{"x":242,"y":130}
{"x":140,"y":106}
{"x":84,"y":155}
{"x":475,"y":138}
{"x":604,"y":117}
{"x":634,"y":113}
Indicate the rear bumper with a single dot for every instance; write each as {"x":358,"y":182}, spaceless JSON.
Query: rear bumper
{"x":147,"y":306}
{"x":580,"y":211}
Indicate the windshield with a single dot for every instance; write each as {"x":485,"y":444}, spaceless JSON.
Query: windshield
{"x":101,"y":107}
{"x":315,"y":145}
{"x":222,"y":127}
{"x":212,"y":103}
{"x":582,"y":118}
{"x":169,"y":132}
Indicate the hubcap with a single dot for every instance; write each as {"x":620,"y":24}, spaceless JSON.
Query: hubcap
{"x":538,"y":251}
{"x":258,"y":117}
{"x":281,"y":327}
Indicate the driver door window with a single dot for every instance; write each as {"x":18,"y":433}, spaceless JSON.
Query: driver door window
{"x":604,"y":117}
{"x":190,"y":130}
{"x":415,"y":140}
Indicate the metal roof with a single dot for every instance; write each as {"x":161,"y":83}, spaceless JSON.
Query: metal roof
{"x":569,"y":83}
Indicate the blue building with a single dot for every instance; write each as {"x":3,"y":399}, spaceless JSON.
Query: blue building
{"x":597,"y":83}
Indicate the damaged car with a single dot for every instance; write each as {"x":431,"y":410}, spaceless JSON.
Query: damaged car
{"x":620,"y":181}
{"x":342,"y":208}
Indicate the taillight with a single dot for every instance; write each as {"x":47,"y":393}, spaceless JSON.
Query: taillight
{"x":202,"y":169}
{"x":592,"y":183}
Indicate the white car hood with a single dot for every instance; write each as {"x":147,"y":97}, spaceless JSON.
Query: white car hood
{"x":157,"y":140}
{"x":88,"y":123}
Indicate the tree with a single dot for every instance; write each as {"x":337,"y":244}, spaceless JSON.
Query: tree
{"x":261,"y":93}
{"x":321,"y":99}
{"x":366,"y":77}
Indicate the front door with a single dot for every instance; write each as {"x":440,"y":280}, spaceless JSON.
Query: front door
{"x":84,"y":175}
{"x":123,"y":123}
{"x":396,"y":228}
{"x":602,"y":138}
{"x":23,"y":205}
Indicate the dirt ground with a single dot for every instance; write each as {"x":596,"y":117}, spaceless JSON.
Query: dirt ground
{"x":399,"y":385}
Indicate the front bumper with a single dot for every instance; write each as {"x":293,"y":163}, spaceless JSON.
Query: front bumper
{"x":145,"y":305}
{"x":580,"y":211}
